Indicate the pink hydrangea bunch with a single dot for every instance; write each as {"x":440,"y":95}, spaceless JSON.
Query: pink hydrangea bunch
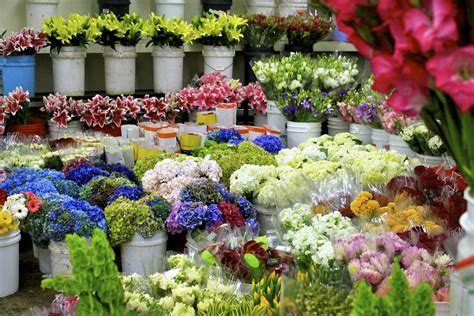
{"x":25,"y":42}
{"x":105,"y":111}
{"x":62,"y":109}
{"x":371,"y":258}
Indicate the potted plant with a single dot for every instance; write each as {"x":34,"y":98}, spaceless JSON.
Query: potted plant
{"x":260,"y":35}
{"x":117,"y":7}
{"x":68,"y":40}
{"x":119,"y":38}
{"x":168,"y":37}
{"x":219,"y":33}
{"x":64,"y":115}
{"x":170,"y":8}
{"x":19,"y":50}
{"x":304,"y":31}
{"x":106,"y":114}
{"x":305,"y":110}
{"x":37,"y":10}
{"x":15,"y":108}
{"x":138,"y":227}
{"x":216,"y":5}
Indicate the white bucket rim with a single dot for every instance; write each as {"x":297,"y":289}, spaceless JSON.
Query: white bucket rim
{"x":10,"y":238}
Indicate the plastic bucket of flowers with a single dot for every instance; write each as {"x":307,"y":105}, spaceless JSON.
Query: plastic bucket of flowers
{"x":60,"y":258}
{"x":19,"y":71}
{"x":380,"y":138}
{"x":9,"y":260}
{"x":299,"y":132}
{"x":170,"y":8}
{"x":226,"y":114}
{"x":44,"y":260}
{"x":219,"y":58}
{"x":120,"y":69}
{"x":69,"y":70}
{"x":144,"y":255}
{"x":398,"y":144}
{"x":119,"y":7}
{"x":337,"y":125}
{"x":430,"y":160}
{"x":37,"y":10}
{"x":34,"y":127}
{"x":275,"y":118}
{"x":56,"y":131}
{"x":259,"y":119}
{"x":167,"y":68}
{"x":363,"y":132}
{"x":264,"y":218}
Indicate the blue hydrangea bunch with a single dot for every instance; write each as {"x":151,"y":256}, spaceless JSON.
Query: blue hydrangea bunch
{"x":131,"y":193}
{"x":230,"y":136}
{"x":16,"y":182}
{"x":270,"y":143}
{"x":85,"y":173}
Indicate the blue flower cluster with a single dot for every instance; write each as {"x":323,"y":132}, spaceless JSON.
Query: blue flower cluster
{"x":67,"y":187}
{"x":23,"y":176}
{"x":230,"y":136}
{"x":133,"y":194}
{"x":193,"y":215}
{"x":270,"y":143}
{"x":85,"y":173}
{"x":118,"y":168}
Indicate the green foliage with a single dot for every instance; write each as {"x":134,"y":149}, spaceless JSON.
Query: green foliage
{"x":34,"y":224}
{"x":233,"y":306}
{"x":95,"y":277}
{"x":400,"y":301}
{"x":267,"y":293}
{"x":148,"y":162}
{"x":53,"y":162}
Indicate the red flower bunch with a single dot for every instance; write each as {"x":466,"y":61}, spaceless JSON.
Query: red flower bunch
{"x":16,"y":104}
{"x":157,"y":110}
{"x":25,"y":42}
{"x":231,"y":214}
{"x":440,"y":189}
{"x":62,"y":109}
{"x":32,"y":202}
{"x":306,"y":30}
{"x":3,"y":197}
{"x":105,"y":111}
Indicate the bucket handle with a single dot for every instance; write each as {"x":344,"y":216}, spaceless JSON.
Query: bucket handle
{"x":217,"y":69}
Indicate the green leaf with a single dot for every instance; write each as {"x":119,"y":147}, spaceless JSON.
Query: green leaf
{"x":251,"y":260}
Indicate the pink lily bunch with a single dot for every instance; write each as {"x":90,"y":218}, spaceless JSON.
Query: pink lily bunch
{"x":25,"y":42}
{"x":105,"y":111}
{"x":62,"y":109}
{"x":158,"y":110}
{"x":15,"y":107}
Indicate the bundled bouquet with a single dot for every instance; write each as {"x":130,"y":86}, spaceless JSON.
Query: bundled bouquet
{"x":305,"y":105}
{"x":16,"y":208}
{"x":219,"y":29}
{"x":310,"y":235}
{"x":206,"y":205}
{"x":104,"y":111}
{"x":256,"y":98}
{"x":77,"y":30}
{"x":169,"y":176}
{"x":306,"y":30}
{"x":61,"y":109}
{"x":270,"y":143}
{"x":438,"y":188}
{"x":263,"y":31}
{"x":423,"y":141}
{"x":168,"y":32}
{"x":250,"y":261}
{"x":335,"y":74}
{"x":126,"y":217}
{"x":371,"y":259}
{"x":25,"y":42}
{"x":15,"y":107}
{"x":127,"y":31}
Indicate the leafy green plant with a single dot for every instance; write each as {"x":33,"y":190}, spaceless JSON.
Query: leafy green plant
{"x":148,"y":162}
{"x":95,"y":277}
{"x":169,"y":32}
{"x":127,"y":31}
{"x":77,"y":30}
{"x":400,"y":301}
{"x":53,"y":162}
{"x":219,"y":30}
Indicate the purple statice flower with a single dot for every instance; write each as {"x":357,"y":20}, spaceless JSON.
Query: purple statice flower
{"x":290,"y":110}
{"x":373,"y":267}
{"x":390,"y":244}
{"x":421,"y":271}
{"x":284,"y":96}
{"x":361,"y":113}
{"x":306,"y":103}
{"x":351,"y":247}
{"x":270,"y":143}
{"x":131,"y":193}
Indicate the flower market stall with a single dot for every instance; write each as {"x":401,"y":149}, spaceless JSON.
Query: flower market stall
{"x":238,"y":162}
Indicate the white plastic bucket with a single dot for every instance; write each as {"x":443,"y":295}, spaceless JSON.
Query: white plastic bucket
{"x":35,"y":250}
{"x":120,"y":69}
{"x":60,"y":258}
{"x":69,"y":70}
{"x":167,"y":68}
{"x":337,"y":125}
{"x":56,"y":132}
{"x":430,"y":160}
{"x":442,"y":308}
{"x":144,"y":256}
{"x":255,"y":132}
{"x":260,"y":119}
{"x":363,"y":132}
{"x":38,"y":10}
{"x":276,"y":119}
{"x":219,"y":58}
{"x":9,"y":263}
{"x":398,"y":144}
{"x":264,"y":218}
{"x":299,"y":132}
{"x":293,"y":7}
{"x":170,"y":8}
{"x":380,"y":138}
{"x":267,"y":7}
{"x":44,"y":259}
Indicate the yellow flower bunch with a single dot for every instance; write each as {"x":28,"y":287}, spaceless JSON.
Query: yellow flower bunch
{"x":126,"y":31}
{"x":364,"y":206}
{"x":77,"y":30}
{"x":219,"y":30}
{"x":266,"y":293}
{"x":7,"y":223}
{"x":173,"y":32}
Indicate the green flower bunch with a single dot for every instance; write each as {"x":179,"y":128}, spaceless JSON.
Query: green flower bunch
{"x":98,"y":190}
{"x":423,"y":141}
{"x":231,"y":158}
{"x":127,"y":31}
{"x":169,"y":32}
{"x":77,"y":30}
{"x":219,"y":30}
{"x":95,"y":277}
{"x":149,"y":161}
{"x":125,"y":218}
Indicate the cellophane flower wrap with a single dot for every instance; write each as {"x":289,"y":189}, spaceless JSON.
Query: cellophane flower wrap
{"x":61,"y":109}
{"x":306,"y":30}
{"x":25,"y":42}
